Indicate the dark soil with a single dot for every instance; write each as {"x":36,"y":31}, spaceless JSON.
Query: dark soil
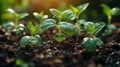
{"x":69,"y":53}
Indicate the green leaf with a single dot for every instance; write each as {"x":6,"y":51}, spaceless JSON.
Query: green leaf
{"x":91,"y":43}
{"x":67,"y":28}
{"x":115,"y":11}
{"x":35,"y":40}
{"x":82,"y":21}
{"x":8,"y":25}
{"x":68,"y":15}
{"x":93,"y":28}
{"x":25,"y":41}
{"x":106,"y":9}
{"x":108,"y":31}
{"x":33,"y":29}
{"x":11,"y":11}
{"x":82,"y":7}
{"x":48,"y":23}
{"x":74,"y":9}
{"x":23,"y":15}
{"x":111,"y":26}
{"x":59,"y":37}
{"x":55,"y":12}
{"x":99,"y":26}
{"x":90,"y":28}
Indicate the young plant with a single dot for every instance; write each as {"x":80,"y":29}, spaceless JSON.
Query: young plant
{"x":63,"y":27}
{"x":77,"y":11}
{"x":109,"y":13}
{"x":34,"y":38}
{"x":92,"y":29}
{"x":16,"y":16}
{"x":40,"y":16}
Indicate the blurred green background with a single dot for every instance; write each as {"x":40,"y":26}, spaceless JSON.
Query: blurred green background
{"x":93,"y":13}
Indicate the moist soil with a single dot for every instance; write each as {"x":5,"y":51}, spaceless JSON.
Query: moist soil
{"x":69,"y":53}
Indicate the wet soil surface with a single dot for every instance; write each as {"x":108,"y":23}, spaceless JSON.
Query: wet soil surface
{"x":69,"y":53}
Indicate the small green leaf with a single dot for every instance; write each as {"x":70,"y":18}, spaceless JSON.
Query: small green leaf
{"x":23,"y":15}
{"x":106,"y":9}
{"x":82,"y":7}
{"x":115,"y":11}
{"x":33,"y":29}
{"x":48,"y":23}
{"x":74,"y":9}
{"x":99,"y":26}
{"x":8,"y":25}
{"x":68,"y":15}
{"x":90,"y":28}
{"x":111,"y":26}
{"x":25,"y":41}
{"x":91,"y":43}
{"x":55,"y":12}
{"x":108,"y":31}
{"x":11,"y":11}
{"x":35,"y":40}
{"x":67,"y":28}
{"x":59,"y":37}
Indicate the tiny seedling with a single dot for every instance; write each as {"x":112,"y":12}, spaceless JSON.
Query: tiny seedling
{"x":18,"y":28}
{"x":109,"y":13}
{"x":63,"y":27}
{"x":92,"y":29}
{"x":34,"y":39}
{"x":77,"y":11}
{"x":40,"y":16}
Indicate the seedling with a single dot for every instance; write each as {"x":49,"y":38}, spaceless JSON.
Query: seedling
{"x":63,"y":27}
{"x":18,"y":28}
{"x":110,"y":12}
{"x":77,"y":11}
{"x":92,"y":29}
{"x":34,"y":39}
{"x":40,"y":16}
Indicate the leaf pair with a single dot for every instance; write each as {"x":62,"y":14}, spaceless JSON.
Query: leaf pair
{"x":78,"y":10}
{"x":17,"y":15}
{"x":67,"y":28}
{"x":30,"y":40}
{"x":66,"y":15}
{"x":93,"y":28}
{"x":33,"y":29}
{"x":91,"y":43}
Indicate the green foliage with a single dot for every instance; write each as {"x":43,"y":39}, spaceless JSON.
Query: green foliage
{"x":77,"y":11}
{"x":8,"y":25}
{"x":17,"y":16}
{"x":91,"y":43}
{"x":93,"y":28}
{"x":67,"y":28}
{"x":110,"y":12}
{"x":21,"y":63}
{"x":59,"y":37}
{"x":66,"y":15}
{"x":30,"y":40}
{"x":40,"y":16}
{"x":33,"y":29}
{"x":110,"y":29}
{"x":48,"y":23}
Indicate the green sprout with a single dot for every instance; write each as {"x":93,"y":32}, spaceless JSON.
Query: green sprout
{"x":63,"y":27}
{"x":19,"y":28}
{"x":109,"y":13}
{"x":77,"y":11}
{"x":34,"y":38}
{"x":40,"y":16}
{"x":92,"y":29}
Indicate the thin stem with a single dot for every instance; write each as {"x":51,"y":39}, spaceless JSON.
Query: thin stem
{"x":16,"y":22}
{"x":59,"y":30}
{"x":109,"y":20}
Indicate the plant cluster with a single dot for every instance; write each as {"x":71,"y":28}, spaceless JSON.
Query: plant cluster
{"x":64,"y":22}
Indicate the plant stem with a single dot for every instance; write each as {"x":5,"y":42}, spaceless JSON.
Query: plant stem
{"x":16,"y":22}
{"x":109,"y":20}
{"x":59,"y":30}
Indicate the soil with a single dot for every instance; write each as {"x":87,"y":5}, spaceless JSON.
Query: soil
{"x":69,"y":53}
